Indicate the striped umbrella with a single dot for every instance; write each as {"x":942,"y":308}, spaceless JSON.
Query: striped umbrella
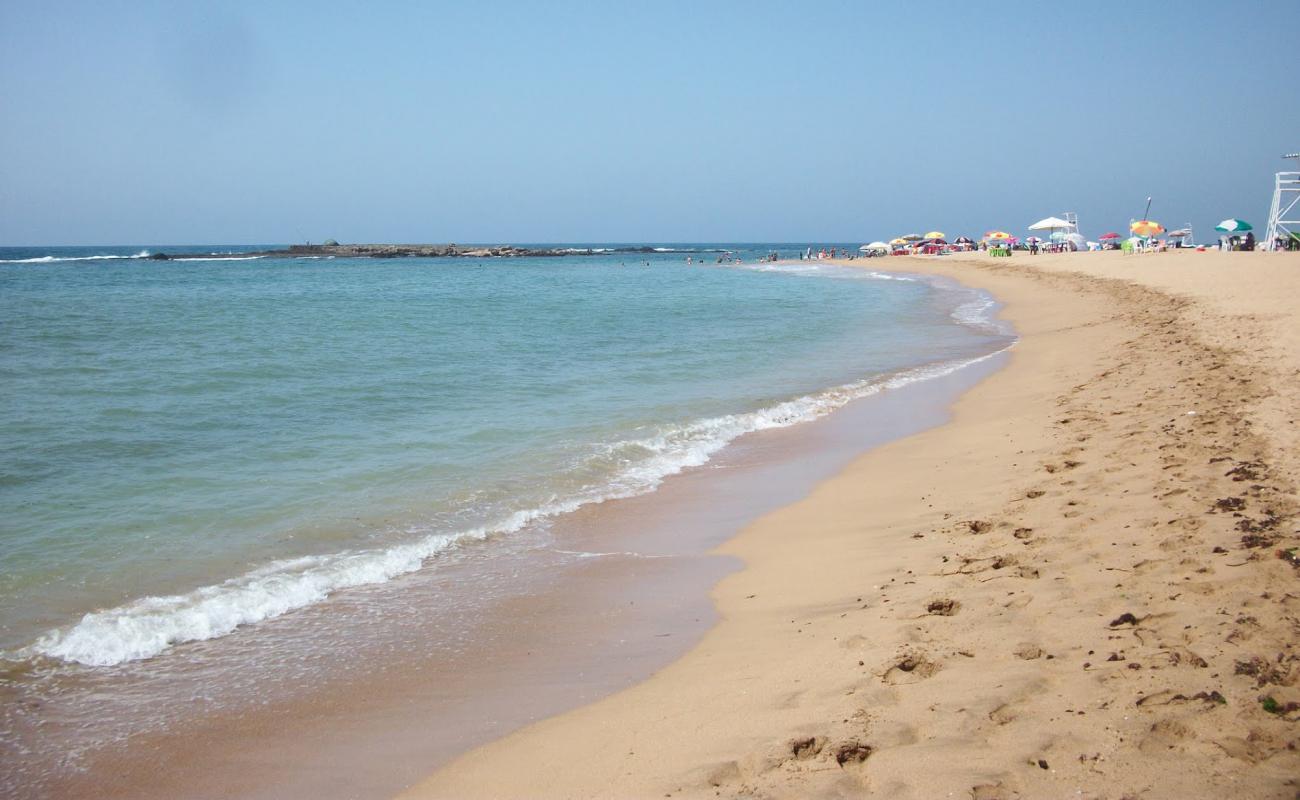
{"x":1147,"y":228}
{"x":1233,"y":226}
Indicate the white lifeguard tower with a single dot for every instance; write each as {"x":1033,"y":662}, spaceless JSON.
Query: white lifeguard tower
{"x":1185,"y":235}
{"x":1283,"y":219}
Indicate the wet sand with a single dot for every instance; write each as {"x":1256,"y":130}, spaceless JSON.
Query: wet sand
{"x":1080,"y":586}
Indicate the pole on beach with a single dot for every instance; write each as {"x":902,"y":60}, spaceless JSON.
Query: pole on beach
{"x":1148,"y":209}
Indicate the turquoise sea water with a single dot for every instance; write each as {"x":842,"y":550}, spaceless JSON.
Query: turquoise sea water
{"x":190,"y":447}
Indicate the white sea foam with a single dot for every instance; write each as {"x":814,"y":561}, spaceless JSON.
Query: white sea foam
{"x":220,"y":258}
{"x":54,"y":259}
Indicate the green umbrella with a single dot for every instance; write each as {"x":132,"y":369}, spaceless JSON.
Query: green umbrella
{"x":1233,"y":226}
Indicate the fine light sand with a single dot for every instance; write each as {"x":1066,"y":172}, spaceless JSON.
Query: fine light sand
{"x":1073,"y":589}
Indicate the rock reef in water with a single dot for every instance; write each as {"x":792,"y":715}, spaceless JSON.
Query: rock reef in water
{"x":335,"y":250}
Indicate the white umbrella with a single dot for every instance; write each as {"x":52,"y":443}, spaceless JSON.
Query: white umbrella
{"x":1048,"y":224}
{"x":874,"y":246}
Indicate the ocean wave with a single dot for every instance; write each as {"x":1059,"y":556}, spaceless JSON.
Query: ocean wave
{"x":219,"y":258}
{"x":149,"y":626}
{"x":825,"y":269}
{"x":685,"y":249}
{"x":55,"y":259}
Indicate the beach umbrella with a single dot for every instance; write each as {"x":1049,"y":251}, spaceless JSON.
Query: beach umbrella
{"x":1180,"y":233}
{"x":898,"y":241}
{"x":1111,"y":235}
{"x":997,"y":236}
{"x":912,"y":237}
{"x":1146,"y":228}
{"x":875,"y":246}
{"x":964,"y":240}
{"x":1051,"y":223}
{"x":1233,"y":226}
{"x":935,"y":235}
{"x":1033,"y":239}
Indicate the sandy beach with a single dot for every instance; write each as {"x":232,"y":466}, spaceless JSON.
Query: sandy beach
{"x":1073,"y":588}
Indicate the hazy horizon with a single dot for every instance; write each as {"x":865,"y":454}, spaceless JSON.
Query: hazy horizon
{"x":515,"y":123}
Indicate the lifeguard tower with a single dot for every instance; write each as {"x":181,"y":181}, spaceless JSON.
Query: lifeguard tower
{"x":1184,"y":235}
{"x":1283,"y":218}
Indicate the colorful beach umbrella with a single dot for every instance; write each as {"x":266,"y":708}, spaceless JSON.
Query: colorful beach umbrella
{"x":997,"y":236}
{"x":1111,"y":235}
{"x":1146,"y":227}
{"x":898,"y":241}
{"x":935,"y":235}
{"x":1233,"y":226}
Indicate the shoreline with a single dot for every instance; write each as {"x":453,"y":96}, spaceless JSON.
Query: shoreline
{"x":1051,"y":593}
{"x":559,"y":654}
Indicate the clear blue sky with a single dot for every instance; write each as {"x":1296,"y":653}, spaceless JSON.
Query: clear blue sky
{"x":231,"y":122}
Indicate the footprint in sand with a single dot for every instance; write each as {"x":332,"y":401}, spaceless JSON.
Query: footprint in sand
{"x":910,"y":667}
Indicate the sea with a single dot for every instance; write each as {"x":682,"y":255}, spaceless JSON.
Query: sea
{"x":224,"y":477}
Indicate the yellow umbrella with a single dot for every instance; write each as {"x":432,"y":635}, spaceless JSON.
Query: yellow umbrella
{"x":996,"y":236}
{"x":899,"y":240}
{"x":935,"y":235}
{"x":1146,"y":227}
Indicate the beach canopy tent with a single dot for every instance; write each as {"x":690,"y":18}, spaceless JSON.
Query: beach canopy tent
{"x":1049,"y":224}
{"x":1233,"y":226}
{"x":1146,"y":228}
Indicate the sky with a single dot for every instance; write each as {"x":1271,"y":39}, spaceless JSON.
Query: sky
{"x":498,"y":122}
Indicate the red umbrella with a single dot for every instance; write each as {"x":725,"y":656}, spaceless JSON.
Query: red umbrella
{"x":1111,"y":235}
